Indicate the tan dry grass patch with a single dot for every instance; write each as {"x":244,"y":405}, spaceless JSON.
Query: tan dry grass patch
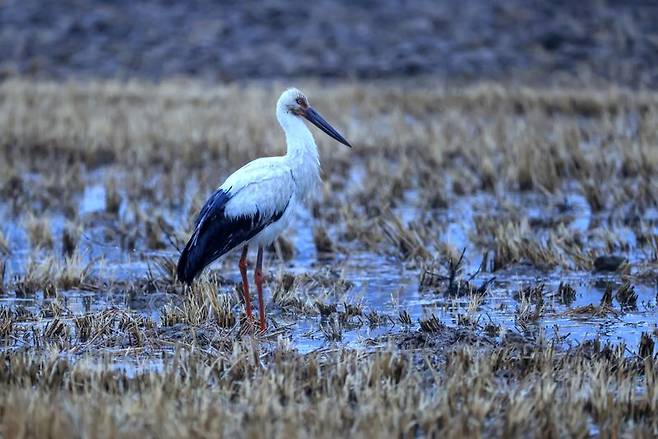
{"x":389,"y":392}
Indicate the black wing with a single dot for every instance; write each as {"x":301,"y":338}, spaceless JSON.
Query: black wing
{"x":215,"y":234}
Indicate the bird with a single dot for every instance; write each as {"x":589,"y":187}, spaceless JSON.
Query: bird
{"x":254,"y":205}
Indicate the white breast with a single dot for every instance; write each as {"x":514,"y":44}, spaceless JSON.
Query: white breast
{"x":269,"y":234}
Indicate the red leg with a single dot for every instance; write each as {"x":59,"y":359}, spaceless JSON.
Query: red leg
{"x":258,"y":277}
{"x":245,"y":283}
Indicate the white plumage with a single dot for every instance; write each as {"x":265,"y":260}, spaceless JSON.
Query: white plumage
{"x":267,"y":186}
{"x":255,"y":203}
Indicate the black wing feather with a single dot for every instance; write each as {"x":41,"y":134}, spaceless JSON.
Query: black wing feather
{"x":215,"y":234}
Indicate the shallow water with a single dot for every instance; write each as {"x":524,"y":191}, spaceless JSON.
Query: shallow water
{"x":383,"y":284}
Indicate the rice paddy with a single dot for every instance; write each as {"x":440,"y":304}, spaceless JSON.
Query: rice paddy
{"x":484,"y":261}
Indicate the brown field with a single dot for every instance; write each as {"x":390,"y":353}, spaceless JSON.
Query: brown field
{"x":484,"y":261}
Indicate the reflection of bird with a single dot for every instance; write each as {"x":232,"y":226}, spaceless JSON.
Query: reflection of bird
{"x":254,"y":205}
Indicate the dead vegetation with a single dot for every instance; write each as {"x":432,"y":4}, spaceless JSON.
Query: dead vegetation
{"x":626,"y":296}
{"x":39,"y":231}
{"x":424,"y":148}
{"x":453,"y":282}
{"x":49,"y":274}
{"x":306,"y":294}
{"x":4,"y":244}
{"x":538,"y":181}
{"x":506,"y":390}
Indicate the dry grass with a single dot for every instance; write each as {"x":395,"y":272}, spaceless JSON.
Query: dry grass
{"x":439,"y":143}
{"x":49,"y":273}
{"x":511,"y":169}
{"x":244,"y":391}
{"x":4,"y":244}
{"x":39,"y":232}
{"x":139,"y":123}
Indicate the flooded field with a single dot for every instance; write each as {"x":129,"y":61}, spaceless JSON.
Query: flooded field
{"x":497,"y":246}
{"x":381,"y":286}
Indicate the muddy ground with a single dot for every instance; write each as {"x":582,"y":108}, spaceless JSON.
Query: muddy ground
{"x":508,"y":40}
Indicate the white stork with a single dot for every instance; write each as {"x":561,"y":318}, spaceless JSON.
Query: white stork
{"x":255,"y":203}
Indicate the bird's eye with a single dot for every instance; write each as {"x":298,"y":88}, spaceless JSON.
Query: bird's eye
{"x":299,"y":101}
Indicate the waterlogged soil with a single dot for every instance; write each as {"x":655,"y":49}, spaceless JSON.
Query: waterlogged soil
{"x":386,"y":295}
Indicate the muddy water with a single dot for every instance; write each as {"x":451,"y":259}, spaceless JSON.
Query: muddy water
{"x":379,"y":283}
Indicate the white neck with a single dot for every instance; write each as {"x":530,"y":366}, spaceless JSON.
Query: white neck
{"x":298,"y":137}
{"x":302,"y":153}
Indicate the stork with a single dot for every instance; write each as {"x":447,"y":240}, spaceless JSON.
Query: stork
{"x":255,"y":203}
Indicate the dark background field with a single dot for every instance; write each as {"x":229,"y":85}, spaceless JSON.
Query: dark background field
{"x":512,"y":40}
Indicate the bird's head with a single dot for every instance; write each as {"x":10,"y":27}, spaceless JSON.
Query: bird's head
{"x":293,"y":102}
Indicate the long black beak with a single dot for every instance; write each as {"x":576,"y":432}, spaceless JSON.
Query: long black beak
{"x":317,"y":120}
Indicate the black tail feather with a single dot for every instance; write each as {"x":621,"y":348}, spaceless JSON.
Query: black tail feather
{"x":204,"y":247}
{"x":186,"y":271}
